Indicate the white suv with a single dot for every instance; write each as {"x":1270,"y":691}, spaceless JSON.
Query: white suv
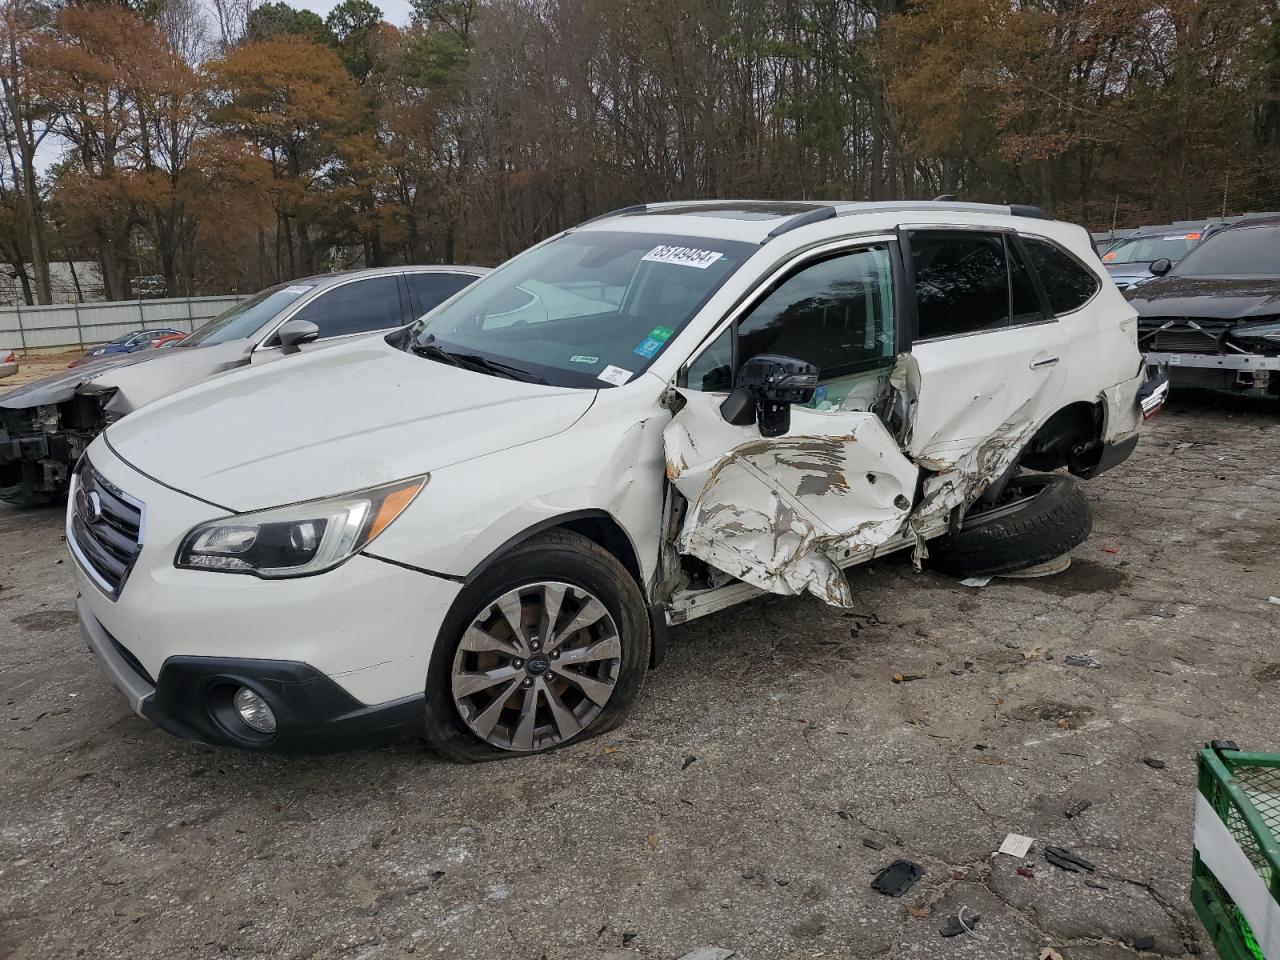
{"x":479,"y":528}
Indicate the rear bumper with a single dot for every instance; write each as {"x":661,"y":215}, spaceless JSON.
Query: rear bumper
{"x":191,"y":700}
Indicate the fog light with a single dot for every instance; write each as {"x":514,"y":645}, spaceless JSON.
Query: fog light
{"x":254,"y":711}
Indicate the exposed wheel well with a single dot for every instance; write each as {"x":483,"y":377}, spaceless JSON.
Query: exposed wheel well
{"x":1072,"y":437}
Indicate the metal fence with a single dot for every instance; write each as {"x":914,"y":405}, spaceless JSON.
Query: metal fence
{"x":84,"y":324}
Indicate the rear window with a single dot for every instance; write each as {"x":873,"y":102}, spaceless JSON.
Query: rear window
{"x":1068,"y":284}
{"x":1243,"y":252}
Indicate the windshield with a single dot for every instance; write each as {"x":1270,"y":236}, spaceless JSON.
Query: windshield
{"x":1148,"y":249}
{"x":587,"y":309}
{"x":1243,"y":252}
{"x":244,"y":319}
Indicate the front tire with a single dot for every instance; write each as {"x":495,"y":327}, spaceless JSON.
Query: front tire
{"x":548,"y":646}
{"x":1039,"y":517}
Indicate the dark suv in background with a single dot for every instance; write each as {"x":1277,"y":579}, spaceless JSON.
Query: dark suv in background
{"x":1214,"y":318}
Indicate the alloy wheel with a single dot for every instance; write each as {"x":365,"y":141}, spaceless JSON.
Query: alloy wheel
{"x":536,"y":666}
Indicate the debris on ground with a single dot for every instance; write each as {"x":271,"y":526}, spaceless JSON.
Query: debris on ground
{"x":872,"y":844}
{"x":708,"y":953}
{"x":1275,"y":600}
{"x":964,"y":922}
{"x":1066,"y":860}
{"x":1048,"y":953}
{"x":1016,"y":845}
{"x":1090,"y":882}
{"x":688,"y":761}
{"x":897,"y":878}
{"x":1046,"y":569}
{"x":1026,"y":872}
{"x":975,"y":582}
{"x":1144,"y":943}
{"x":1155,"y":763}
{"x":907,"y":677}
{"x":1074,"y":811}
{"x":1075,"y":660}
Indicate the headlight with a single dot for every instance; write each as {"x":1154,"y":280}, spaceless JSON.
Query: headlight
{"x":1260,"y":331}
{"x":300,"y":539}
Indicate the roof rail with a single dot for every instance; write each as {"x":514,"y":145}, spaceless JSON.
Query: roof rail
{"x":816,"y":215}
{"x":945,"y":198}
{"x":620,"y":212}
{"x":1026,"y":210}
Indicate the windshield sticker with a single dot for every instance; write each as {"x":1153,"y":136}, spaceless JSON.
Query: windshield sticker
{"x":661,"y":333}
{"x":648,"y":347}
{"x":684,"y":256}
{"x":583,"y":358}
{"x":615,"y":375}
{"x":296,"y":289}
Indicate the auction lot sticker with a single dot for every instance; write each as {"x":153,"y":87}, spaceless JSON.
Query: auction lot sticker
{"x":615,"y":375}
{"x":683,"y":256}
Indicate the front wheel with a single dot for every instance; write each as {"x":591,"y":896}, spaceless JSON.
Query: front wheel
{"x":1039,"y":517}
{"x":548,"y":646}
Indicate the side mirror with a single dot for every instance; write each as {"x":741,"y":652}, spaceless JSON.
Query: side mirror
{"x":295,"y":333}
{"x":1161,"y":267}
{"x":767,"y":386}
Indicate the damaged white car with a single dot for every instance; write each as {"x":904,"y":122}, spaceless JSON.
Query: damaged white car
{"x":46,"y":425}
{"x":478,"y":529}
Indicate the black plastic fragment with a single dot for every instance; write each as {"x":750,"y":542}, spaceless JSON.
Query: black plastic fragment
{"x":1072,"y":812}
{"x":872,"y":844}
{"x":688,"y":762}
{"x":1061,"y":857}
{"x":1144,"y":943}
{"x":1217,"y":746}
{"x":897,"y":878}
{"x":1154,"y":763}
{"x":954,"y":928}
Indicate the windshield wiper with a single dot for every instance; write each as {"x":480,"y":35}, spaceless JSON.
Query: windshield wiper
{"x":497,"y":367}
{"x":473,"y":360}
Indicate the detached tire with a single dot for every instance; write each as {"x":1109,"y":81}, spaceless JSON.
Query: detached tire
{"x":1040,"y":517}
{"x":548,"y":646}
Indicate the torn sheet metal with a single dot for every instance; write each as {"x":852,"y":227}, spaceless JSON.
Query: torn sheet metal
{"x":784,"y":514}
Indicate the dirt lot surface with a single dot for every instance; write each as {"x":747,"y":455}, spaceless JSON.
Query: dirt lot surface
{"x":36,"y":366}
{"x":735,"y":808}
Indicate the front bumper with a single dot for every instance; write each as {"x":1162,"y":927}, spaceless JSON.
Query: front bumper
{"x":341,"y":657}
{"x":191,"y":699}
{"x":1215,"y":361}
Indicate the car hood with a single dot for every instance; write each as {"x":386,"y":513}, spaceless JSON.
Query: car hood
{"x":1223,"y":298}
{"x":136,"y":378}
{"x":332,"y":421}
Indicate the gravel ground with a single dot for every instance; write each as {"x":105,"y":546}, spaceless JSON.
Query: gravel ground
{"x":736,"y":806}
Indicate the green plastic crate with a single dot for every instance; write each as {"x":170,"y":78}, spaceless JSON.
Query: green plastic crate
{"x":1235,"y":874}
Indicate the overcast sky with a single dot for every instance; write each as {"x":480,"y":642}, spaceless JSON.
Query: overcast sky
{"x":393,"y":11}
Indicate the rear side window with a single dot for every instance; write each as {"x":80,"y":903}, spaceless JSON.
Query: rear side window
{"x":432,"y":289}
{"x":961,"y":282}
{"x":361,"y":306}
{"x":1068,"y":285}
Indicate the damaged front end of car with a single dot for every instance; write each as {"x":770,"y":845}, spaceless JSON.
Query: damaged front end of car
{"x":40,"y":444}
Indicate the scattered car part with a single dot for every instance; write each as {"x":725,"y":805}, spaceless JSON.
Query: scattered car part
{"x":1066,"y":860}
{"x":963,"y":922}
{"x":897,"y":878}
{"x":1076,"y":660}
{"x":1039,"y":518}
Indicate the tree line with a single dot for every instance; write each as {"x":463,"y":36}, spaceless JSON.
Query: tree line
{"x":228,"y":146}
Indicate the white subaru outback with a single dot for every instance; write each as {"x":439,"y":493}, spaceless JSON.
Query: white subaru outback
{"x":479,"y":528}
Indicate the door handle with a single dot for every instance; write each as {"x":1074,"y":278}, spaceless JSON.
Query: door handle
{"x":1046,"y":362}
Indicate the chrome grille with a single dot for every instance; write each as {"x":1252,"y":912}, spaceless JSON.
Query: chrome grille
{"x":105,"y":529}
